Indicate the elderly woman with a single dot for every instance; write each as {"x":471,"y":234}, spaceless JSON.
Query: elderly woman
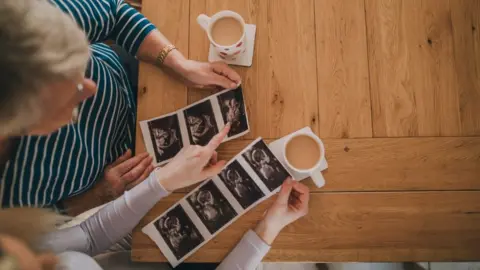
{"x":67,"y":108}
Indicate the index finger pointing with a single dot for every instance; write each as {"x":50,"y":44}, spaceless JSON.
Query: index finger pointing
{"x":218,"y":139}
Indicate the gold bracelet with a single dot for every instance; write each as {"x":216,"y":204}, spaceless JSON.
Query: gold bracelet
{"x":163,"y":54}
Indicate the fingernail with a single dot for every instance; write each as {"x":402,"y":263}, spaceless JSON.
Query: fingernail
{"x":229,"y":124}
{"x":233,"y":85}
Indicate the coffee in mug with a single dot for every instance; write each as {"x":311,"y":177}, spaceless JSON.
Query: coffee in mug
{"x":303,"y":152}
{"x":227,"y":31}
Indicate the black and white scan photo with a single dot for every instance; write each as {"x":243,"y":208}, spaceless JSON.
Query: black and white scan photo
{"x":266,"y":165}
{"x":211,"y":206}
{"x":179,"y":232}
{"x":239,"y":183}
{"x":233,"y":110}
{"x":201,"y":123}
{"x":166,"y":137}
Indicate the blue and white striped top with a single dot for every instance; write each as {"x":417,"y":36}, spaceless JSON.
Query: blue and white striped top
{"x":46,"y":169}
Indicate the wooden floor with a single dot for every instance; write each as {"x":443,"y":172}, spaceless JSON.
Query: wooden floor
{"x":391,"y":86}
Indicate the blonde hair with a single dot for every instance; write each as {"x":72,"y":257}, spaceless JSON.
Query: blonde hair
{"x":39,"y":44}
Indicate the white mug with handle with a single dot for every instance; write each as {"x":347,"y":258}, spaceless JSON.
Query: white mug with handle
{"x":229,"y":52}
{"x":315,"y":171}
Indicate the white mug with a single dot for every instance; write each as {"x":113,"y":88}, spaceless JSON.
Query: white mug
{"x":315,"y":171}
{"x":230,"y":52}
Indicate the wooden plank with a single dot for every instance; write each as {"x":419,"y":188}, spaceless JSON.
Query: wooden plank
{"x":393,"y":164}
{"x":381,"y":226}
{"x":281,"y":85}
{"x":159,"y":93}
{"x":342,"y":68}
{"x":466,"y":37}
{"x":413,"y":81}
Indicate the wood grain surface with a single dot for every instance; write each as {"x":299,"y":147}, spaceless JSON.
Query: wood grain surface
{"x":342,"y":70}
{"x":159,"y":93}
{"x":418,"y":84}
{"x":379,"y":226}
{"x":393,"y":89}
{"x":282,"y":78}
{"x":394,"y":164}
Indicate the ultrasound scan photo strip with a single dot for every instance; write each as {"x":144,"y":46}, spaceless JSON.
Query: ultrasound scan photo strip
{"x":196,"y":124}
{"x":214,"y":205}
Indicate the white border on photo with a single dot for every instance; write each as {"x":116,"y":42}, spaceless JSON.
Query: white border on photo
{"x":219,"y":116}
{"x":194,"y":217}
{"x":148,"y":140}
{"x":155,"y":235}
{"x":280,"y":160}
{"x":253,"y":175}
{"x":215,"y":114}
{"x":228,"y":195}
{"x":183,"y":129}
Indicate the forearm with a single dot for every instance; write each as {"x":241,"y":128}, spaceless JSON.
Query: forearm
{"x":111,"y":223}
{"x":153,"y":45}
{"x":248,"y":253}
{"x":100,"y":194}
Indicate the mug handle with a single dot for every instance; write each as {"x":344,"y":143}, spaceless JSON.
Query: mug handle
{"x":317,"y":178}
{"x":203,"y":20}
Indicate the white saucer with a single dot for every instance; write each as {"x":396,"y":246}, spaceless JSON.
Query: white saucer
{"x":244,"y":59}
{"x":277,"y":148}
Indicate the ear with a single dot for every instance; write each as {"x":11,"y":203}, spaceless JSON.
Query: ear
{"x":89,"y":89}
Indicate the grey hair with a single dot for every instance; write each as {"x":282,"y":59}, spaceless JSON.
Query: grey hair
{"x":39,"y":44}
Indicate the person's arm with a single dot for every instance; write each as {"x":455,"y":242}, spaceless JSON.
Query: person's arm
{"x":291,"y":204}
{"x":111,"y":223}
{"x":114,"y":221}
{"x":123,"y":174}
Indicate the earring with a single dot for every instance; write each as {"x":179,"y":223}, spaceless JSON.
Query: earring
{"x":75,"y":115}
{"x":80,"y":88}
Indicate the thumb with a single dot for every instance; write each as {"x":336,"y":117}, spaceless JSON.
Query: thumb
{"x":214,"y":169}
{"x":285,"y":191}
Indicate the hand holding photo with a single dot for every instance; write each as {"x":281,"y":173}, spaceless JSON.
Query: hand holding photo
{"x":211,"y":206}
{"x":266,"y":165}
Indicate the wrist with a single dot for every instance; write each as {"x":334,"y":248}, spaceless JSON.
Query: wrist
{"x":164,"y":180}
{"x":175,"y":61}
{"x":267,"y":232}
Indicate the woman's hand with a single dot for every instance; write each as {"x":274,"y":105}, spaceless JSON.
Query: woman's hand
{"x":127,"y":172}
{"x":202,"y":75}
{"x":209,"y":75}
{"x":193,"y":164}
{"x":291,"y":204}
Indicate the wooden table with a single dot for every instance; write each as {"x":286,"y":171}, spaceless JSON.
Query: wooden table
{"x":393,"y":89}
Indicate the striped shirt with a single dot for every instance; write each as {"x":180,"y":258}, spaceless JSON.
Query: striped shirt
{"x":43,"y":170}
